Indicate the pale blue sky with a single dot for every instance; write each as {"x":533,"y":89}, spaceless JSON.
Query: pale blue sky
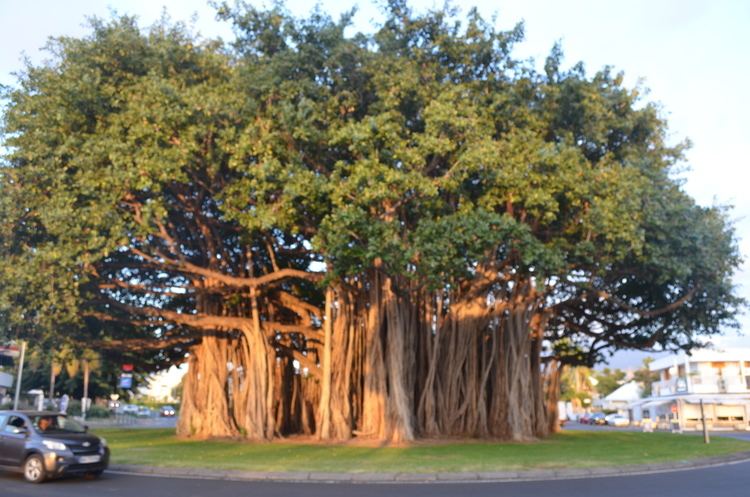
{"x":691,"y":54}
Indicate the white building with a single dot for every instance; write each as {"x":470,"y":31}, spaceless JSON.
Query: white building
{"x":6,"y":384}
{"x":621,"y":399}
{"x":721,"y":379}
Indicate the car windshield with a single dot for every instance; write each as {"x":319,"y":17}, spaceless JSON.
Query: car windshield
{"x":56,"y":423}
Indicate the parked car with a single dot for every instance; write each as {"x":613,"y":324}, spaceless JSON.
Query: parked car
{"x":167,"y":411}
{"x":46,"y":444}
{"x":597,"y":419}
{"x":616,"y":420}
{"x":584,"y":418}
{"x":130,"y":409}
{"x":144,"y":412}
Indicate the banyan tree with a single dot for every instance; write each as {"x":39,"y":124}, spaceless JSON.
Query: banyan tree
{"x":392,"y":235}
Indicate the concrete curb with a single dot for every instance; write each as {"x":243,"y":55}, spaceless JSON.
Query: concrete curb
{"x":401,"y":478}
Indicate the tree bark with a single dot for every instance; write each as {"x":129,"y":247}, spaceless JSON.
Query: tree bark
{"x":324,"y":416}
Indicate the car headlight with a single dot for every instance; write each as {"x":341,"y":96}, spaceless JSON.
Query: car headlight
{"x":54,"y":445}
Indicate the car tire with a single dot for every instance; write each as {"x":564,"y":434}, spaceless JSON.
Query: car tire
{"x":33,"y":469}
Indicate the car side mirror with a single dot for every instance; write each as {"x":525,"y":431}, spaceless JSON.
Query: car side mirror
{"x":20,"y":430}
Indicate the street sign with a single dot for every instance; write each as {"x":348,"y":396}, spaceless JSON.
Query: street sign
{"x":674,"y":408}
{"x":10,"y":351}
{"x":6,"y":380}
{"x":126,"y":381}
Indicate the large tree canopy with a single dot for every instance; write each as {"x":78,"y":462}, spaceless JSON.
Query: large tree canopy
{"x":393,"y":234}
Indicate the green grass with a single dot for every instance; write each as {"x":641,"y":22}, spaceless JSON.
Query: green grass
{"x":155,"y":447}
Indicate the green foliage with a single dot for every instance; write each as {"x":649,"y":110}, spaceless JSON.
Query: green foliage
{"x":609,"y":380}
{"x":424,"y":146}
{"x":576,"y":385}
{"x":103,"y":379}
{"x":646,"y":377}
{"x":94,"y":411}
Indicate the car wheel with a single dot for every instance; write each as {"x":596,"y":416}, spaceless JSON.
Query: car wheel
{"x":33,"y":469}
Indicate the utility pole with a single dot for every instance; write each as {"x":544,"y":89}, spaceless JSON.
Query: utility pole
{"x":703,"y":420}
{"x":52,"y":376}
{"x":20,"y":374}
{"x":85,"y":399}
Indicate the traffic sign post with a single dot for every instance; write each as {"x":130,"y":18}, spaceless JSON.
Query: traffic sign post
{"x":126,"y":381}
{"x":706,"y":438}
{"x":8,"y":353}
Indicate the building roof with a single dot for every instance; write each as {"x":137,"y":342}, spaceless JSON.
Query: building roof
{"x":628,"y":392}
{"x":718,"y":399}
{"x":702,"y":355}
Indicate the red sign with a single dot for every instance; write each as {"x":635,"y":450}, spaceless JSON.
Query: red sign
{"x":10,"y":351}
{"x":127,"y":367}
{"x":674,"y":408}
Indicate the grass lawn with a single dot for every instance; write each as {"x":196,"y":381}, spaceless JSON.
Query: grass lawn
{"x":575,"y":449}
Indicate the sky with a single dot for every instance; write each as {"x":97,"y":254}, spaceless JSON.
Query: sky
{"x":691,"y":55}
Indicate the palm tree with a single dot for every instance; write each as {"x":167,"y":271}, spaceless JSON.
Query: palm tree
{"x":91,"y":362}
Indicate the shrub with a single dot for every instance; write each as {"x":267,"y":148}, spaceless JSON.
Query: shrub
{"x":98,"y":412}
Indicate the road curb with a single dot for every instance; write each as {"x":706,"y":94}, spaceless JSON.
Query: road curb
{"x":412,"y":478}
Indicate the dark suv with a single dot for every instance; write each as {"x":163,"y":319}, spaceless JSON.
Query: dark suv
{"x":49,"y":444}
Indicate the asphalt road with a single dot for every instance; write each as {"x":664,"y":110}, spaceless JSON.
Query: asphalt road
{"x":725,"y":481}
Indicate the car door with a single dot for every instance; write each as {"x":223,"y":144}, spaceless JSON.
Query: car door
{"x":14,"y":433}
{"x":3,"y":419}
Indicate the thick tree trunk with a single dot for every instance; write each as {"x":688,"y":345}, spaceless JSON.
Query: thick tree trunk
{"x":398,"y":366}
{"x":395,"y":362}
{"x":344,"y":374}
{"x":427,"y":408}
{"x":324,"y":410}
{"x":374,"y":375}
{"x":552,"y":395}
{"x":205,"y":407}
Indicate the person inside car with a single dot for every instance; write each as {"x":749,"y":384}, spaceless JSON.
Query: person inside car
{"x":44,"y":423}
